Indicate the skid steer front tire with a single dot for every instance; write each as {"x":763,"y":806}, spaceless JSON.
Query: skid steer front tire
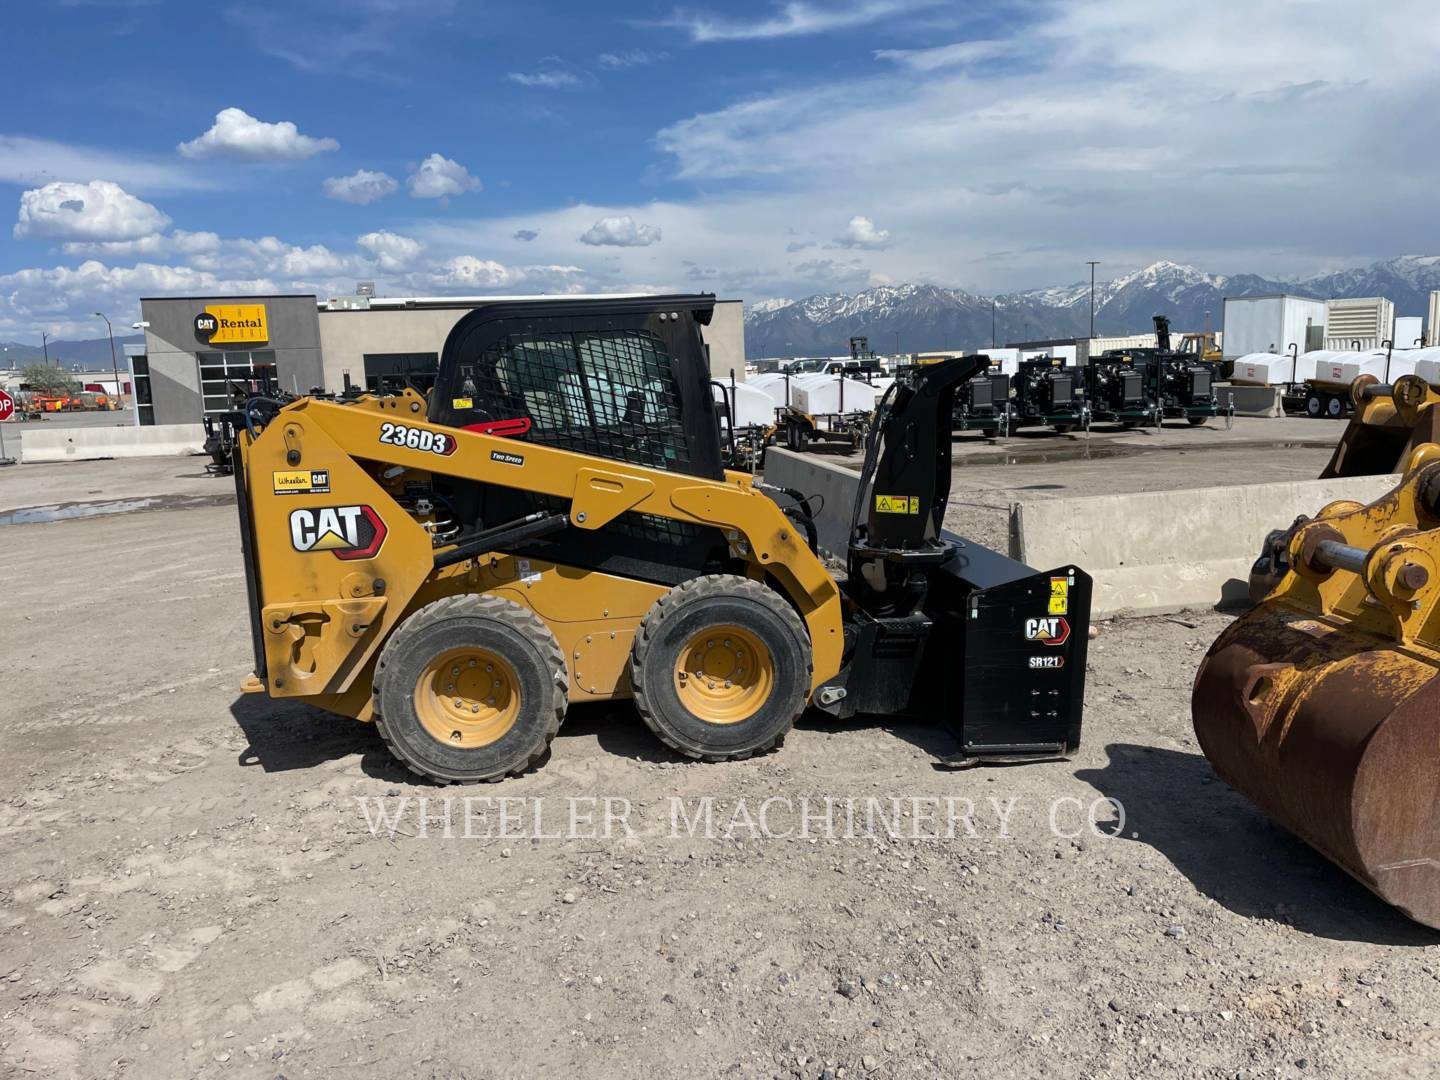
{"x":470,"y":688}
{"x":758,"y":657}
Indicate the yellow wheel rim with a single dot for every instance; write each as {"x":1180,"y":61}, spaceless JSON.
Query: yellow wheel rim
{"x":467,"y":698}
{"x":724,"y":674}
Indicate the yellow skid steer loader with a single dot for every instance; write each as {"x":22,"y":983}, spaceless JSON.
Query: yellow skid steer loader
{"x":553,"y":525}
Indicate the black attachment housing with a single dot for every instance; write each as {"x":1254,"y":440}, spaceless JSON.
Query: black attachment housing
{"x":942,"y":627}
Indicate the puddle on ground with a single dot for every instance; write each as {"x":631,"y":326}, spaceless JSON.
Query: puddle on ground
{"x":1081,"y":450}
{"x":40,"y":515}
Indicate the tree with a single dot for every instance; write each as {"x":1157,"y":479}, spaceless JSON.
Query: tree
{"x":48,"y":379}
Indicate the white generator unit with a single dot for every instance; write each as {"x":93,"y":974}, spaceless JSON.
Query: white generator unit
{"x":774,"y":385}
{"x":1273,"y":369}
{"x":1365,"y":323}
{"x":751,"y":407}
{"x":1275,"y":324}
{"x":831,"y":395}
{"x":1427,"y":364}
{"x":1338,"y":368}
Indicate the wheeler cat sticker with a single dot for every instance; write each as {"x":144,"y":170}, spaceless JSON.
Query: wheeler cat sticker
{"x":302,"y":481}
{"x":349,"y":532}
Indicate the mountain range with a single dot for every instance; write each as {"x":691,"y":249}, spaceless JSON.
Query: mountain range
{"x":913,"y":318}
{"x":92,"y":355}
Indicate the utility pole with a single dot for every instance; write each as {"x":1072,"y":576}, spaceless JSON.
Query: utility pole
{"x":114,"y":364}
{"x":45,"y":344}
{"x":992,"y":322}
{"x":1092,"y":263}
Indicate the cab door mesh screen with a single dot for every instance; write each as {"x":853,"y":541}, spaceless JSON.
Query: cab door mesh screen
{"x":610,"y":393}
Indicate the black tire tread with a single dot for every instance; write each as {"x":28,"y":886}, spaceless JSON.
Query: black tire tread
{"x":699,"y":587}
{"x":521,"y":619}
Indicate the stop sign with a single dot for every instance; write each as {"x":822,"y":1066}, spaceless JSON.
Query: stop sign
{"x":7,"y":406}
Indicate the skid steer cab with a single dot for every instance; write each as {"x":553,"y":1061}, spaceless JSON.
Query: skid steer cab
{"x":553,"y":525}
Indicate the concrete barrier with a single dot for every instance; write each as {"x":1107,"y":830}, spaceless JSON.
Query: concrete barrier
{"x":813,"y":475}
{"x":90,"y":443}
{"x":1168,"y":550}
{"x":1250,"y":400}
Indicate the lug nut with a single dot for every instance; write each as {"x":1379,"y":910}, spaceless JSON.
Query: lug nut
{"x":454,"y":736}
{"x":459,"y":704}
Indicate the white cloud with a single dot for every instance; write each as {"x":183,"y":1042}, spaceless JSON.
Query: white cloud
{"x":391,"y":251}
{"x":620,"y":231}
{"x":236,"y":134}
{"x":792,"y":20}
{"x":628,"y":58}
{"x":99,"y":210}
{"x":438,"y":177}
{"x":155,"y":245}
{"x":35,"y":162}
{"x":548,"y":80}
{"x":64,"y":298}
{"x":362,"y":187}
{"x":862,"y":233}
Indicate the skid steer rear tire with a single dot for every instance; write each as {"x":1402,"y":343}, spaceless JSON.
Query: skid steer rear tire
{"x":759,"y":654}
{"x":470,"y":688}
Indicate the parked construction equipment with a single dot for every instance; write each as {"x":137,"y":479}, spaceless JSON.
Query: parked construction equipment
{"x":982,"y":402}
{"x":1320,"y":703}
{"x":1116,"y":389}
{"x":1047,"y":392}
{"x":554,"y":525}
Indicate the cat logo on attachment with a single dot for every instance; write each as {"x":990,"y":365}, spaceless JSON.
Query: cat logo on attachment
{"x":351,"y":532}
{"x":1050,"y":631}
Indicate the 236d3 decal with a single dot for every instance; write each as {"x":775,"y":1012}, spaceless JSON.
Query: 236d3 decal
{"x":413,"y":438}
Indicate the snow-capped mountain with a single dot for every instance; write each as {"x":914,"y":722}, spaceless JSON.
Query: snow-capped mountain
{"x":910,"y":318}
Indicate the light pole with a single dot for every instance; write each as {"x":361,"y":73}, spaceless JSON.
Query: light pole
{"x":992,"y":322}
{"x":45,"y":344}
{"x":1092,"y":263}
{"x":114,"y":364}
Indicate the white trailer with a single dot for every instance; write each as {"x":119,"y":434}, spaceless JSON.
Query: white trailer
{"x":1276,"y":323}
{"x":1409,"y":331}
{"x":1364,"y":323}
{"x":1432,"y":324}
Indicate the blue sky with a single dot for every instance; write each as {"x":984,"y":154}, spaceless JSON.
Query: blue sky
{"x":757,"y":149}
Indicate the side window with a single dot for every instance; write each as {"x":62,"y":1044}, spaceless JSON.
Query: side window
{"x":610,"y":393}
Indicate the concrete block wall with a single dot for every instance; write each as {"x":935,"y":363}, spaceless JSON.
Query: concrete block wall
{"x":89,"y":444}
{"x":1168,"y":550}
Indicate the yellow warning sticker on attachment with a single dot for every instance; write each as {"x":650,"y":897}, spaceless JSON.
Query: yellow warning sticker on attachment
{"x":461,"y":403}
{"x":897,"y":504}
{"x":1059,"y":596}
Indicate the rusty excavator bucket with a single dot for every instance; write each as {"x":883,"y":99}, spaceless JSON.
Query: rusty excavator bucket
{"x":1388,"y":422}
{"x":1322,"y":704}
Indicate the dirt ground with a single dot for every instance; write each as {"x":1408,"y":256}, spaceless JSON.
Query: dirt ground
{"x":190,"y":884}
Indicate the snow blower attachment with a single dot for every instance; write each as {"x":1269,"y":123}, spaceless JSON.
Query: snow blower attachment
{"x":554,"y":524}
{"x":1322,"y":704}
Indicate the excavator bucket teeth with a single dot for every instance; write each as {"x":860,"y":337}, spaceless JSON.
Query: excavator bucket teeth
{"x":1333,"y":732}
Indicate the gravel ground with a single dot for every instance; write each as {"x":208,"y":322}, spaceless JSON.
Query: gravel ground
{"x":194,"y":882}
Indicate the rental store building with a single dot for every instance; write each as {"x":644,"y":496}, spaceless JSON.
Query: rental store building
{"x":197,"y":348}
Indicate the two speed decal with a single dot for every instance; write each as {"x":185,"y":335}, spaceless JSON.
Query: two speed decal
{"x":413,"y":438}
